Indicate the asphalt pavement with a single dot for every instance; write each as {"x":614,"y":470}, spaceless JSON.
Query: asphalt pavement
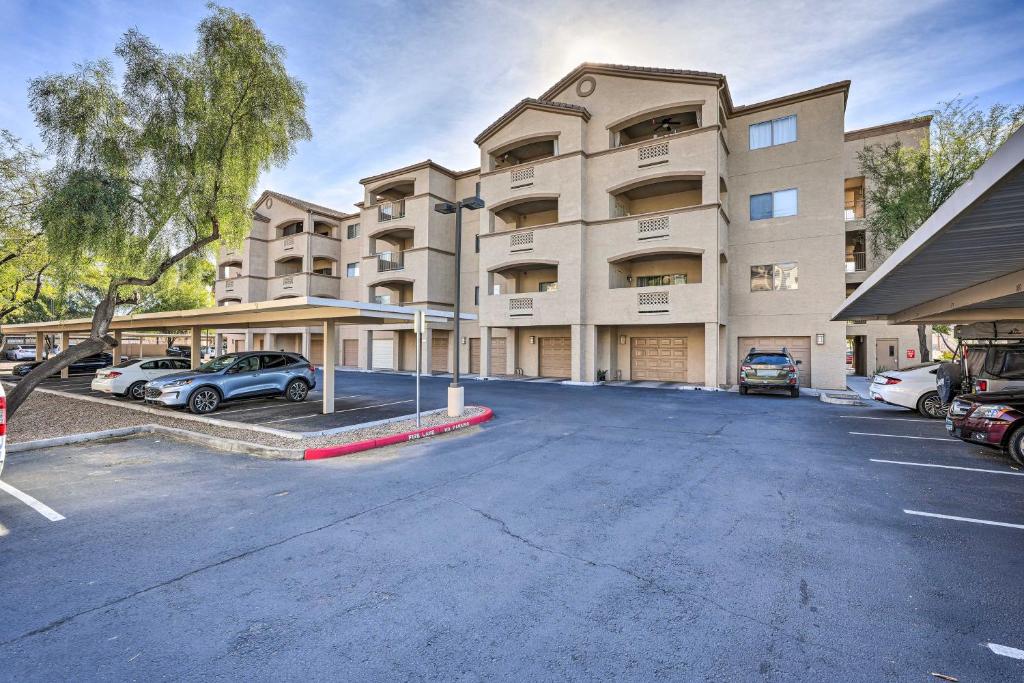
{"x":587,"y":533}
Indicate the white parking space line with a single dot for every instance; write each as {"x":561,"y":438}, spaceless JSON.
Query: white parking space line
{"x":347,"y":410}
{"x":1005,"y":651}
{"x":964,"y":519}
{"x":948,"y":467}
{"x":901,"y":436}
{"x":895,"y":419}
{"x":42,"y":509}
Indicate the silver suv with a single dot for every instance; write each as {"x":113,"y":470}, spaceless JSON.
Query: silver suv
{"x":235,"y":375}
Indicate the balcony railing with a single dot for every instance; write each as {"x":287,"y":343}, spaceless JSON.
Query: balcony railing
{"x":648,"y":228}
{"x":652,"y":302}
{"x":389,"y":211}
{"x":652,"y":154}
{"x":520,"y":241}
{"x":858,"y":263}
{"x":522,"y":305}
{"x":520,"y":177}
{"x":388,"y":261}
{"x":855,"y":212}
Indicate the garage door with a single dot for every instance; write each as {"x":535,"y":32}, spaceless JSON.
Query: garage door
{"x":383,"y":354}
{"x":498,"y":357}
{"x":555,"y":356}
{"x":658,"y":358}
{"x":316,"y":350}
{"x":799,"y":347}
{"x":439,"y":351}
{"x":350,"y":352}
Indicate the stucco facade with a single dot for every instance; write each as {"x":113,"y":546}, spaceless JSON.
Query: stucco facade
{"x":619,"y":238}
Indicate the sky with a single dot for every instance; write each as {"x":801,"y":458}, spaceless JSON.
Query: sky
{"x":392,"y":83}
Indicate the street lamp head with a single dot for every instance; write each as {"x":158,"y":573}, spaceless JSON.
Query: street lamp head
{"x":472,"y":203}
{"x":444,"y":207}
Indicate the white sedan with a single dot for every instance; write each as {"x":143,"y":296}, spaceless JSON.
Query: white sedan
{"x":130,"y":376}
{"x":913,"y":388}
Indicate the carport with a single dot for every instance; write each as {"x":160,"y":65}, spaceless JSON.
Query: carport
{"x":296,"y":311}
{"x":965,"y":264}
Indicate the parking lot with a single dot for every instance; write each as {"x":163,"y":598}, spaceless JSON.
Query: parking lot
{"x":586,"y":532}
{"x":359,"y":397}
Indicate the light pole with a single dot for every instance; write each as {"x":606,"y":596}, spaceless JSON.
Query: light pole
{"x":456,"y":395}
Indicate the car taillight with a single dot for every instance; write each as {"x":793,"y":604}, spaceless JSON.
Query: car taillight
{"x":746,"y":368}
{"x":890,"y":380}
{"x":790,"y":368}
{"x":312,"y":368}
{"x":113,"y":374}
{"x":3,"y":415}
{"x":982,"y":385}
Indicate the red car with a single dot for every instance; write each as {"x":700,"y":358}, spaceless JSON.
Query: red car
{"x":993,"y":419}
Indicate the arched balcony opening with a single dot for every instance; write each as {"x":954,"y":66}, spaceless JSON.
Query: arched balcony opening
{"x":229,"y":302}
{"x":723,"y":194}
{"x":389,"y":247}
{"x":323,"y":228}
{"x":290,"y":228}
{"x":230,"y":270}
{"x":656,"y":268}
{"x":523,"y":277}
{"x":527,"y":213}
{"x":655,"y":124}
{"x":524,"y":151}
{"x":286,"y":296}
{"x":656,"y":194}
{"x":325,"y":266}
{"x":288,"y":266}
{"x":390,"y":199}
{"x":394,"y":292}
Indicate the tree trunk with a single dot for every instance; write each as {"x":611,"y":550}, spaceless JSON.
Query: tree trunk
{"x":923,"y":345}
{"x":98,"y":341}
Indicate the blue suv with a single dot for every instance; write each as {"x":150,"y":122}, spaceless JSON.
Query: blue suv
{"x":235,"y":375}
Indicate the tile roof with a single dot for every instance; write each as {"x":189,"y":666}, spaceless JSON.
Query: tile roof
{"x":532,"y":103}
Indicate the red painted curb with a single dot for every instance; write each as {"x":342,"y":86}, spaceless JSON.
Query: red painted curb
{"x":415,"y":435}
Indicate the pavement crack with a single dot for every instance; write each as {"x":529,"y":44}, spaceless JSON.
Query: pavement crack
{"x":671,"y":593}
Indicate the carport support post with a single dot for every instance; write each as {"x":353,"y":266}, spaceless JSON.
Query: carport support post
{"x":197,"y":347}
{"x":330,"y":361}
{"x":65,"y":342}
{"x":116,"y":351}
{"x":40,"y":345}
{"x":218,"y":343}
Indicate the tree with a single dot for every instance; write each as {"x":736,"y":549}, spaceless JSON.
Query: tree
{"x":906,"y":184}
{"x":152,"y":175}
{"x":23,"y":255}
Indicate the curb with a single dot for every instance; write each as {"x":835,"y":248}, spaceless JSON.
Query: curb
{"x":414,"y":435}
{"x":841,"y":399}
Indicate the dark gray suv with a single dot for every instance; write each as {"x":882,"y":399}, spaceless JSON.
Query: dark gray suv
{"x":235,"y":375}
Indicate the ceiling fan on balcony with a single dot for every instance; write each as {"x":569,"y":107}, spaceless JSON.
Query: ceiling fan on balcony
{"x":666,"y":126}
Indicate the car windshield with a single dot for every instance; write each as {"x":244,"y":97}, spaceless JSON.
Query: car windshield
{"x":219,"y":363}
{"x":767,"y":359}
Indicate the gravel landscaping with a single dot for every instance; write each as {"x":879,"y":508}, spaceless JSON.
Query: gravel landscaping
{"x":45,"y":416}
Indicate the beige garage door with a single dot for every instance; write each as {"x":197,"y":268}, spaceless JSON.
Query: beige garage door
{"x":658,"y":358}
{"x":498,"y":356}
{"x":799,"y":347}
{"x":555,"y":356}
{"x":350,"y":352}
{"x":316,"y":350}
{"x":474,"y":355}
{"x":439,"y":351}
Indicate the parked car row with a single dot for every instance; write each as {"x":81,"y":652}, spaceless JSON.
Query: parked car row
{"x":87,"y":364}
{"x":26,"y":352}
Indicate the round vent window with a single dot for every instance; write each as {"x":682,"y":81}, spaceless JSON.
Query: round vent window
{"x":586,"y":86}
{"x":270,"y":202}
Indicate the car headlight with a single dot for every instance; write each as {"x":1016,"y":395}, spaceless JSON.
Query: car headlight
{"x":179,"y":383}
{"x":990,"y":412}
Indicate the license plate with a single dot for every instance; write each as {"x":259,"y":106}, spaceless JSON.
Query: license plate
{"x":767,"y":373}
{"x":949,"y":424}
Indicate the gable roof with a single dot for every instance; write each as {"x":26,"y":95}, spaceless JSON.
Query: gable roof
{"x":532,"y":103}
{"x":257,"y":216}
{"x":885,"y":128}
{"x":627,"y":71}
{"x":426,"y":163}
{"x":304,"y":205}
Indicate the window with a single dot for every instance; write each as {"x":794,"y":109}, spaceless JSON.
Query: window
{"x":773,"y":277}
{"x":774,"y":132}
{"x":274,"y":360}
{"x":382,"y":299}
{"x":476,"y":296}
{"x":180,"y":364}
{"x":352,"y":270}
{"x":772,"y":205}
{"x":660,"y":280}
{"x":248,"y":364}
{"x":151,"y":365}
{"x":496,"y":289}
{"x":548,"y":287}
{"x":352,"y":231}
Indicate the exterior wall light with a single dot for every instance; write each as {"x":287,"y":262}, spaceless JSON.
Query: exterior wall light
{"x":622,"y":339}
{"x":819,"y":339}
{"x":533,"y":340}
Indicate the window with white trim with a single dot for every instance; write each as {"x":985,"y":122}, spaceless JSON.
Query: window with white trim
{"x":352,"y":270}
{"x":775,"y":132}
{"x":773,"y":204}
{"x":352,"y":231}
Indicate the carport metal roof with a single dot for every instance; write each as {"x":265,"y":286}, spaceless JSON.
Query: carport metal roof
{"x":966,"y":263}
{"x":294,"y":312}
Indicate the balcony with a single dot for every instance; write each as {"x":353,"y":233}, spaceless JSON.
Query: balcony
{"x":388,"y":261}
{"x":239,"y":289}
{"x":303,"y":284}
{"x":318,"y":246}
{"x":227,"y":255}
{"x":649,"y":126}
{"x":683,"y":303}
{"x":544,"y":179}
{"x":853,"y":206}
{"x":661,"y":193}
{"x":390,"y":211}
{"x":554,"y":307}
{"x":525,"y":213}
{"x":524,"y":152}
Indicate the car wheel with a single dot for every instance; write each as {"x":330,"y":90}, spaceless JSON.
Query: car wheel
{"x":743,"y":391}
{"x":794,"y":392}
{"x":930,"y":405}
{"x":297,"y":390}
{"x":137,"y":391}
{"x":204,"y":400}
{"x":1016,"y":446}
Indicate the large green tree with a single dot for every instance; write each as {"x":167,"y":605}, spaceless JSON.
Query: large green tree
{"x":152,"y":173}
{"x":907,"y":183}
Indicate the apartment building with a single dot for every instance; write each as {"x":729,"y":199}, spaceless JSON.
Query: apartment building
{"x":638,"y":226}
